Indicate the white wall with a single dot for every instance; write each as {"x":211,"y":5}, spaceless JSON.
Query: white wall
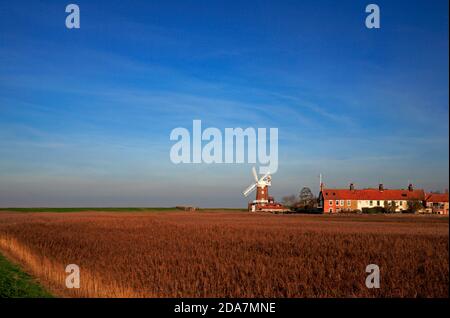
{"x":400,"y":204}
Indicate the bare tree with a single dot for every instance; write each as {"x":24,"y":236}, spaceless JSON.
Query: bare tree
{"x":289,"y":200}
{"x":414,"y":206}
{"x":306,"y":198}
{"x":390,"y":207}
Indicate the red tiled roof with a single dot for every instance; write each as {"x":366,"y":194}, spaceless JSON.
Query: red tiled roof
{"x":372,"y":194}
{"x":436,"y":197}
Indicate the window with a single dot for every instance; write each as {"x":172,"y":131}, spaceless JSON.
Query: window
{"x":331,"y":202}
{"x":349,"y":202}
{"x":342,"y":202}
{"x":370,"y":202}
{"x":400,"y":203}
{"x":378,"y":203}
{"x":331,"y":210}
{"x":337,"y":202}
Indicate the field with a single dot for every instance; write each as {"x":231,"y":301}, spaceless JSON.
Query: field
{"x":229,"y":254}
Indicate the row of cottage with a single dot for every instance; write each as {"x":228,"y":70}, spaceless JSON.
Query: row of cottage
{"x":351,"y":200}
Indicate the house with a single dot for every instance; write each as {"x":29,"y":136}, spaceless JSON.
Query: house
{"x":436,"y":203}
{"x":355,"y":200}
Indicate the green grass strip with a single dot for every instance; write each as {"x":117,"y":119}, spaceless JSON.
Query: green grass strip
{"x":15,"y":283}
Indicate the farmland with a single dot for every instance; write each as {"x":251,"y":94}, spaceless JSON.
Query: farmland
{"x":229,"y":254}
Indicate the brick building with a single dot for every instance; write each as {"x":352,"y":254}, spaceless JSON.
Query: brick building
{"x":353,"y":200}
{"x":437,"y":203}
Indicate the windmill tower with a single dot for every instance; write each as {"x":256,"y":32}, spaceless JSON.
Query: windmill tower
{"x":263,"y":202}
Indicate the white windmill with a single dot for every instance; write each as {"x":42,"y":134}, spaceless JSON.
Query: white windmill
{"x":261,"y":185}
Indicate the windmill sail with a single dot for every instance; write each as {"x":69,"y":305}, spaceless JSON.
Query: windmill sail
{"x":255,"y":175}
{"x":264,"y":177}
{"x":249,"y":190}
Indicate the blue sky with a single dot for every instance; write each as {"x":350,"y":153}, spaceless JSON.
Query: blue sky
{"x":85,"y":115}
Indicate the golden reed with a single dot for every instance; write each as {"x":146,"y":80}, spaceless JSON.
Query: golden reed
{"x":53,"y":276}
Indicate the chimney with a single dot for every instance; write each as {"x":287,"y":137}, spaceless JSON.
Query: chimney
{"x":380,"y":187}
{"x":352,"y":186}
{"x":410,"y":187}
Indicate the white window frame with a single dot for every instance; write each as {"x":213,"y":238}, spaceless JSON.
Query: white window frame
{"x":331,"y":202}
